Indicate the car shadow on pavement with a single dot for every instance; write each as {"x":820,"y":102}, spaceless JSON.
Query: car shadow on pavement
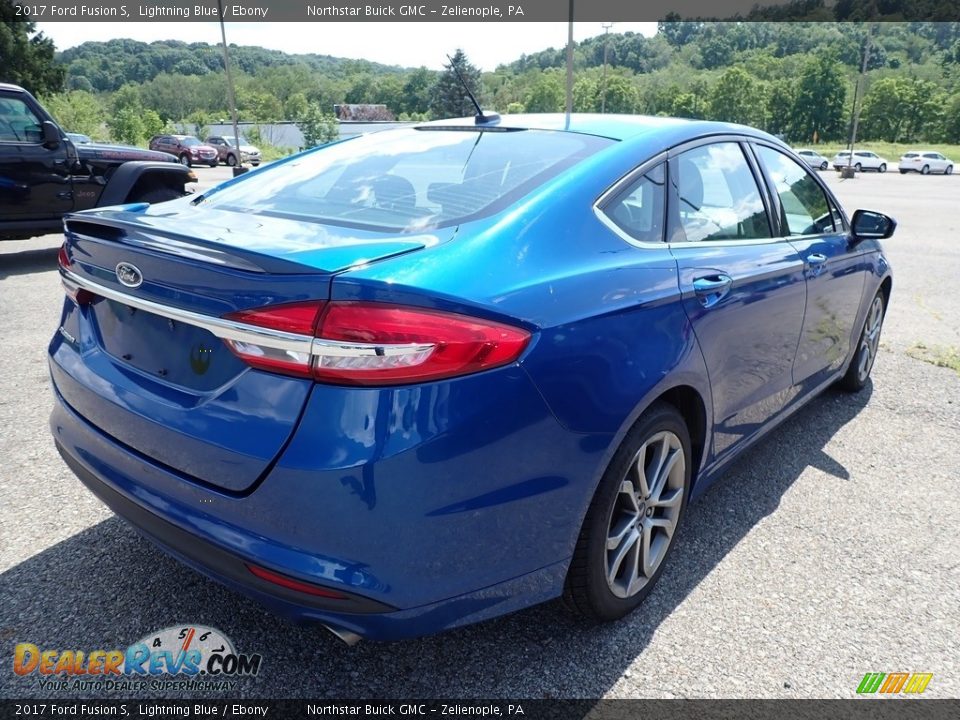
{"x":105,"y":588}
{"x":26,"y":262}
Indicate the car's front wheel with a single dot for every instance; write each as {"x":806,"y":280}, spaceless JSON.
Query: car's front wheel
{"x":823,"y":165}
{"x":882,"y":168}
{"x":633,"y":518}
{"x":869,"y":344}
{"x":949,"y":170}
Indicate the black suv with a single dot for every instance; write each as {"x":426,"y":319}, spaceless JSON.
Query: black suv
{"x":44,"y":175}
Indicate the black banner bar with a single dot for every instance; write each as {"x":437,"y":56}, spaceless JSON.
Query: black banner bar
{"x":854,"y":709}
{"x":487,"y":10}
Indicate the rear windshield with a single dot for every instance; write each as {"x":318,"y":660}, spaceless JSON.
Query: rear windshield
{"x":410,"y":179}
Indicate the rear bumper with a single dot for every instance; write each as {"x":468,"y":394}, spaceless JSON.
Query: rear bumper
{"x":447,"y":520}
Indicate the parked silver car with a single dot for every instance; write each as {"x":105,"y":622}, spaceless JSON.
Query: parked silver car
{"x":813,"y":158}
{"x":925,"y":162}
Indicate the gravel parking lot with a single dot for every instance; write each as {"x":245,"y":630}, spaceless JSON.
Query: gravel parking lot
{"x":830,"y":550}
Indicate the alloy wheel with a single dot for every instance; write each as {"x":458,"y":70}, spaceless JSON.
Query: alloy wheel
{"x":645,"y":514}
{"x":870,"y":342}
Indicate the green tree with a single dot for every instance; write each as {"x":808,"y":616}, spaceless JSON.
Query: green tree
{"x":26,"y":57}
{"x":819,"y":102}
{"x":951,"y":121}
{"x":734,"y":97}
{"x":295,"y":107}
{"x":198,"y":119}
{"x":900,"y":109}
{"x":126,"y":126}
{"x":546,"y":94}
{"x":77,"y":111}
{"x":450,"y":99}
{"x":417,"y":91}
{"x":318,"y":128}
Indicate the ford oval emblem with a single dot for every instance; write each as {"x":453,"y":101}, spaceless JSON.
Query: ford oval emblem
{"x":129,"y":275}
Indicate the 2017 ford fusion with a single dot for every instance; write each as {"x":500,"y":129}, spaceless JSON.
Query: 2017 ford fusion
{"x":432,"y":375}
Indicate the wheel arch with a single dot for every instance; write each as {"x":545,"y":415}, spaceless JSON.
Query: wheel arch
{"x":134,"y":177}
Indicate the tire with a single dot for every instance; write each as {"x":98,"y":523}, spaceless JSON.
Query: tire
{"x":185,"y":160}
{"x":823,"y":165}
{"x":882,"y":168}
{"x":858,"y":167}
{"x":865,"y":354}
{"x":903,"y":172}
{"x":157,"y":195}
{"x":948,"y":170}
{"x":232,"y":160}
{"x":602,"y":583}
{"x":925,"y":170}
{"x":214,"y":163}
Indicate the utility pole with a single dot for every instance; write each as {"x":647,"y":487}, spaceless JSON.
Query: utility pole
{"x":606,"y":47}
{"x":230,"y":96}
{"x":570,"y":64}
{"x":857,"y":93}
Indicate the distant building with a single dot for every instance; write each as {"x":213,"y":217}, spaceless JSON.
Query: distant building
{"x":287,"y":135}
{"x":362,"y":113}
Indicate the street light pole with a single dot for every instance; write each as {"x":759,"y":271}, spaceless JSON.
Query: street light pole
{"x":606,"y":45}
{"x":230,"y":96}
{"x":570,"y":64}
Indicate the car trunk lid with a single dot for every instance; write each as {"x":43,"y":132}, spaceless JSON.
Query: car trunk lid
{"x":148,"y":364}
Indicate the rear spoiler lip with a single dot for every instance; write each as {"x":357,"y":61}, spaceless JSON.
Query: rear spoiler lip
{"x":170,"y":242}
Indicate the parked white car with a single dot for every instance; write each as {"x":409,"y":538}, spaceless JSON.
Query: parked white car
{"x":813,"y":158}
{"x":925,"y":162}
{"x":862,"y":160}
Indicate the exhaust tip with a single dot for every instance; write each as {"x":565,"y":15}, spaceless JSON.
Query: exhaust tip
{"x":350,"y":638}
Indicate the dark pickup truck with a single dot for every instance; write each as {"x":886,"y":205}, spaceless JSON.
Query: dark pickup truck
{"x":44,"y":175}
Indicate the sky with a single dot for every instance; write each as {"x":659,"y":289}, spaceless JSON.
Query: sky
{"x":406,"y":44}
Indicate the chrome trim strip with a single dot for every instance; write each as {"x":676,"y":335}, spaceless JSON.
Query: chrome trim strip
{"x":242,"y":332}
{"x":224,"y":329}
{"x":332,"y":348}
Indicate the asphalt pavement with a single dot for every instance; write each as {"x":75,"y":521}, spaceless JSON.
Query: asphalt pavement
{"x":831,"y":549}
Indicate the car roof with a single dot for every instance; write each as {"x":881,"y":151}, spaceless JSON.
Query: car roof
{"x":616,"y":127}
{"x":11,"y":88}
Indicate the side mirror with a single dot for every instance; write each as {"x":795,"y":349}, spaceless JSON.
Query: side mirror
{"x":871,"y":225}
{"x":51,"y":134}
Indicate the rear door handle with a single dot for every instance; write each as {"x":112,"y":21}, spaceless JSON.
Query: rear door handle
{"x":815,"y":263}
{"x":711,"y":289}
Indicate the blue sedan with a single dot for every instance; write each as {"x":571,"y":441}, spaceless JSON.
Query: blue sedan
{"x":429,"y":376}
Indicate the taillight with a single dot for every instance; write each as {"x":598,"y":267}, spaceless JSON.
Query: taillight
{"x":360,"y":343}
{"x":275,"y":352}
{"x":77,"y":294}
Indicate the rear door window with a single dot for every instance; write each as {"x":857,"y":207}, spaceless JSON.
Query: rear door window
{"x":639,"y":209}
{"x":718,"y":197}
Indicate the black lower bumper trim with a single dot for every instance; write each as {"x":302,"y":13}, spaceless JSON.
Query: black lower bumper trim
{"x":210,"y":556}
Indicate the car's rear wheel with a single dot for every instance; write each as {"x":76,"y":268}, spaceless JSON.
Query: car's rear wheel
{"x":925,"y":170}
{"x":232,"y":160}
{"x":185,"y":160}
{"x":628,"y":531}
{"x":949,"y":170}
{"x":858,"y":167}
{"x":903,"y":172}
{"x":882,"y":168}
{"x":866,"y":354}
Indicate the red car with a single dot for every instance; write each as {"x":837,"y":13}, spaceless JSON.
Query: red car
{"x":188,"y":149}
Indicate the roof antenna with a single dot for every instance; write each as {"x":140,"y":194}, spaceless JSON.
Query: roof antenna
{"x":480,"y":117}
